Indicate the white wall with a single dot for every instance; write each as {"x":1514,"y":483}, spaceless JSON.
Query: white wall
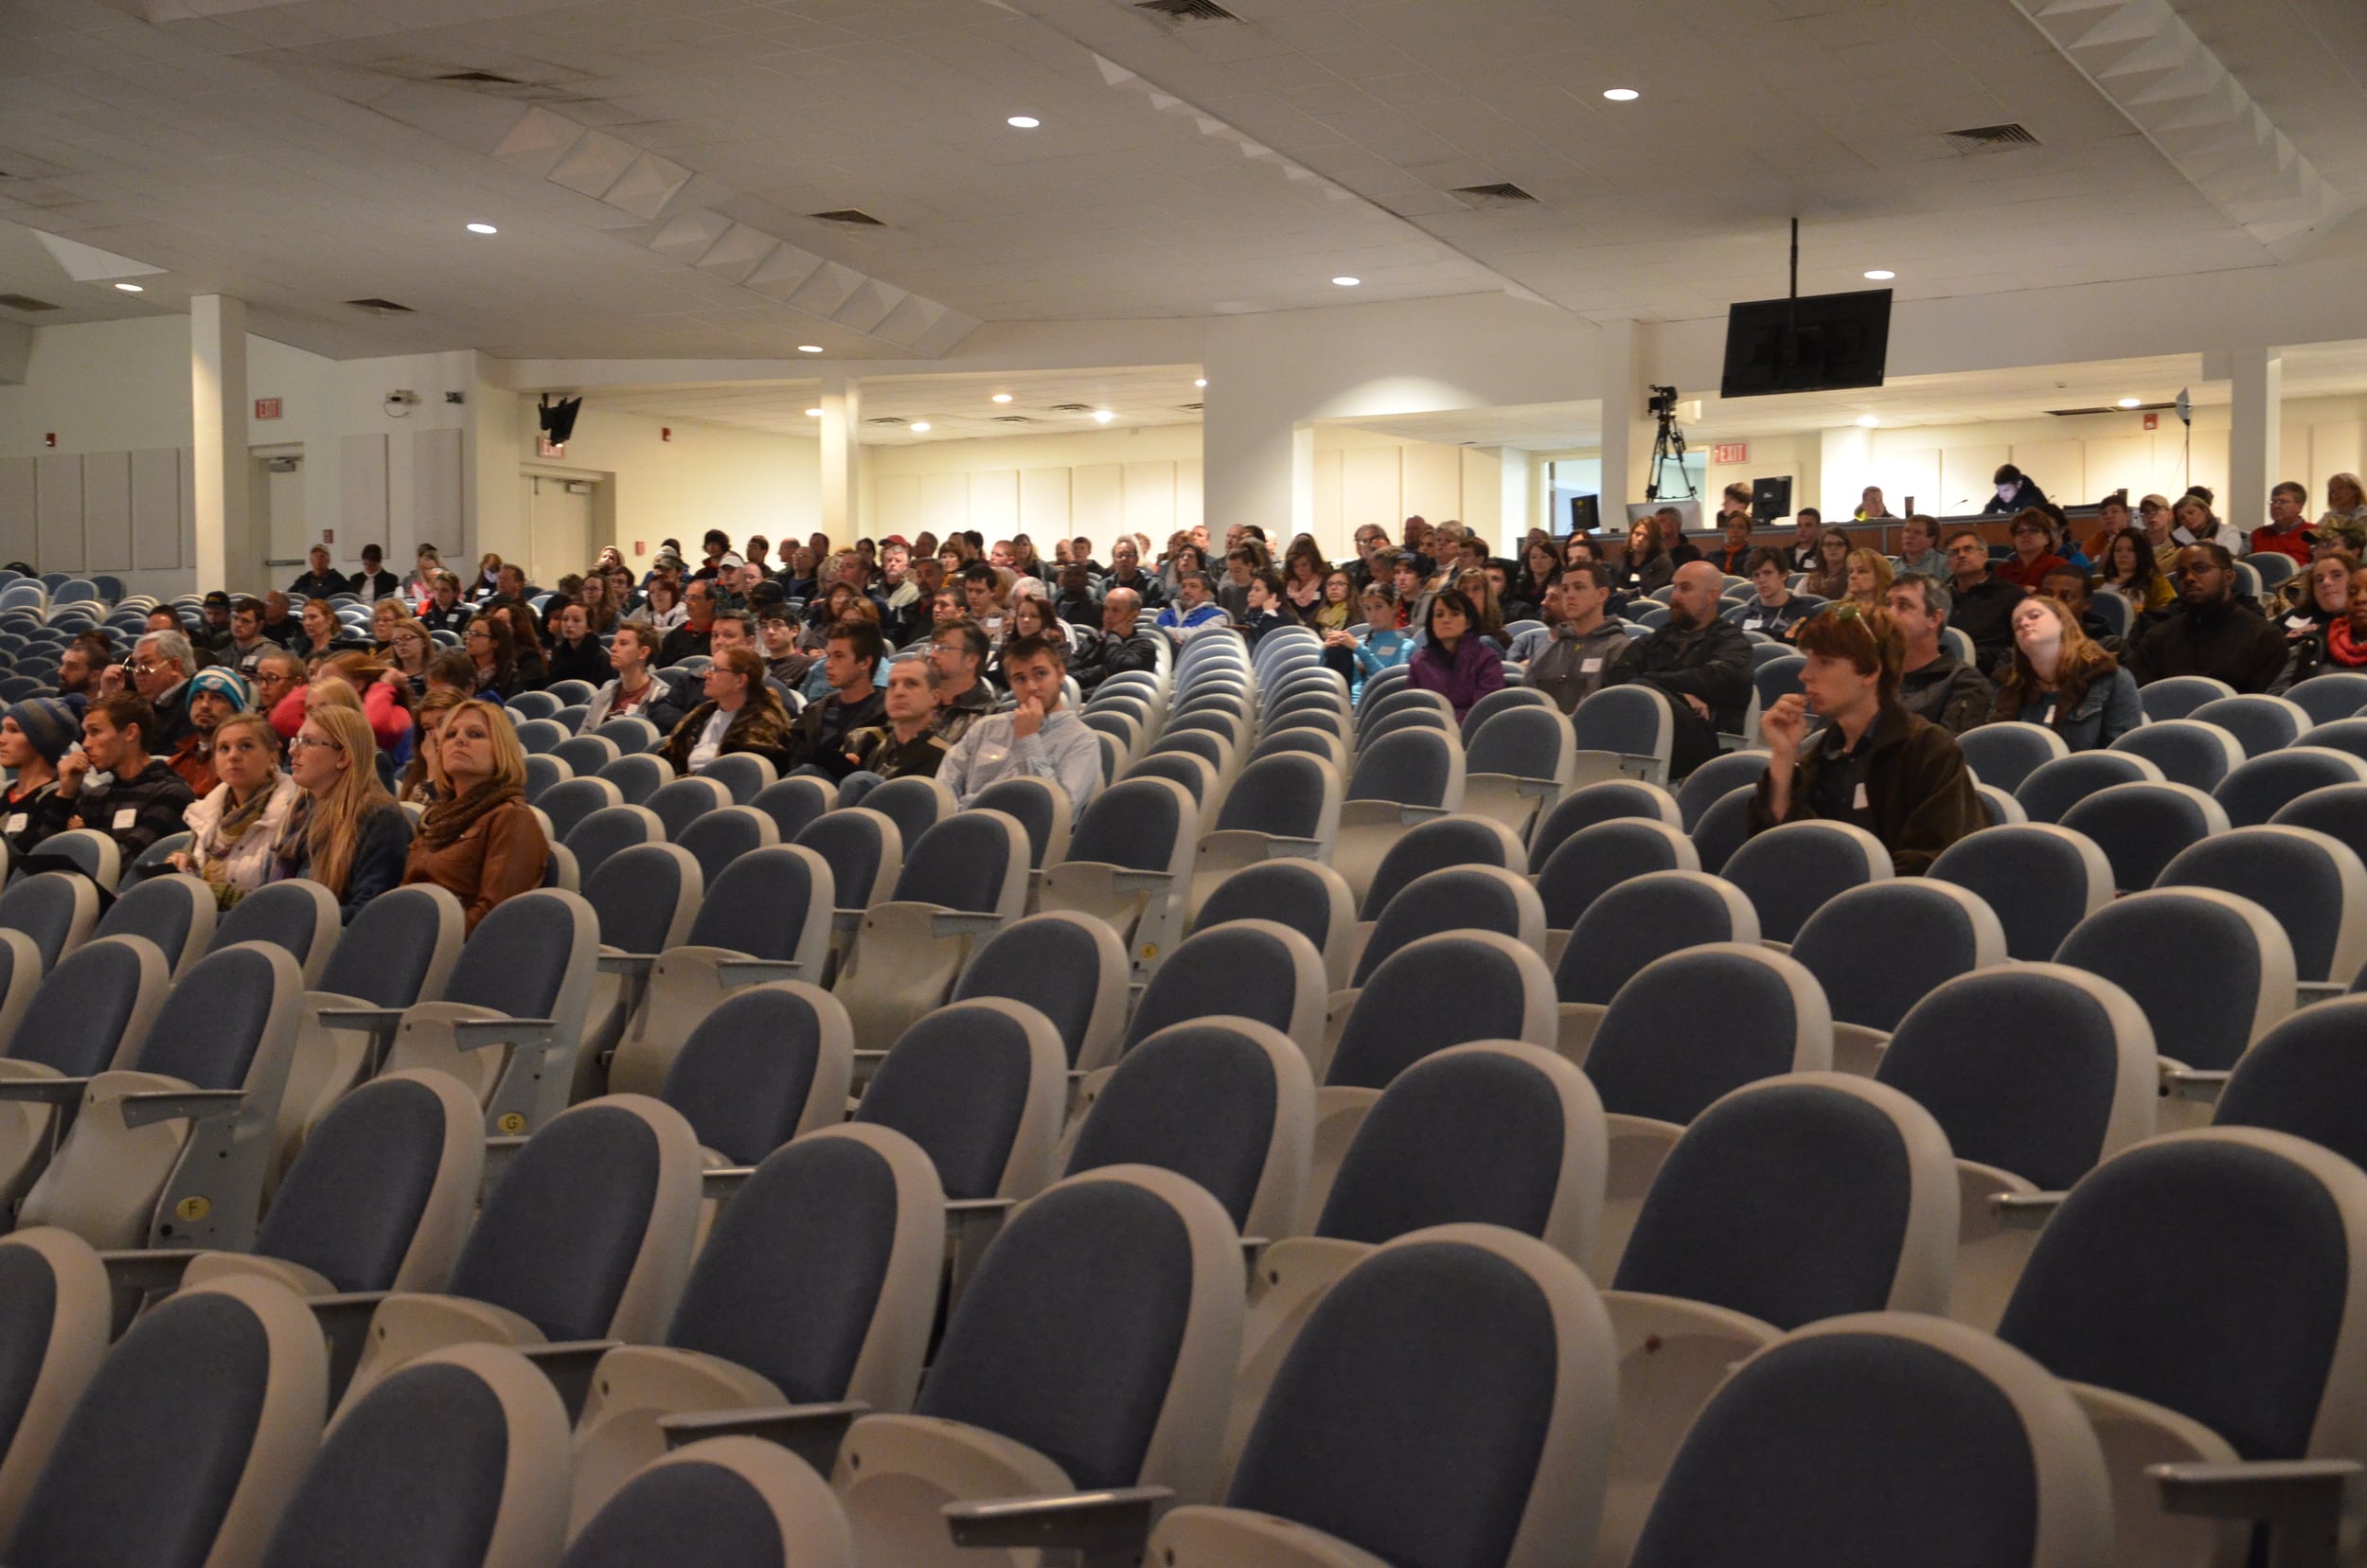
{"x":1098,"y":483}
{"x":1363,"y":476}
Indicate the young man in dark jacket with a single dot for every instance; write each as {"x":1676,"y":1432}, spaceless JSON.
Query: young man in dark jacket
{"x":1874,"y":765}
{"x":1700,"y":663}
{"x":2214,"y":633}
{"x":111,"y":785}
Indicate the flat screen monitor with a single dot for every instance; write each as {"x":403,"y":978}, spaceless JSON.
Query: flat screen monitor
{"x":1817,"y":343}
{"x":1586,"y":513}
{"x":1770,"y":499}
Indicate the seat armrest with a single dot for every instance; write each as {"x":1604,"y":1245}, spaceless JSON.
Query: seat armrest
{"x":1540,"y":787}
{"x":963,"y":922}
{"x":345,"y":1323}
{"x":845,"y":922}
{"x":635,"y":964}
{"x":1284,"y":846}
{"x":2025,"y":1210}
{"x":1113,"y":1522}
{"x":758,"y":972}
{"x":1141,"y":882}
{"x":1412,"y":815}
{"x":45,"y":1090}
{"x":2307,"y":991}
{"x":369,"y":1020}
{"x":569,"y":1365}
{"x":2300,"y":1498}
{"x":146,"y":1269}
{"x":2195,"y":1084}
{"x":812,"y":1431}
{"x":723,"y":1181}
{"x":162,"y":1105}
{"x":477,"y":1034}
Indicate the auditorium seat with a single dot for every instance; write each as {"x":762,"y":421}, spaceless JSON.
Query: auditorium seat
{"x":1289,"y":805}
{"x":678,"y":804}
{"x":54,"y":1322}
{"x":1594,"y":859}
{"x":1516,"y":760}
{"x":2187,"y":751}
{"x":746,"y":774}
{"x":57,"y":909}
{"x":2312,"y":883}
{"x":2178,"y":696}
{"x":1038,"y":1389}
{"x":2142,"y":827}
{"x":2035,"y":1072}
{"x":176,"y":913}
{"x":1070,"y":968}
{"x":1884,"y":1438}
{"x":1399,"y":779}
{"x":1786,"y":1202}
{"x":765,"y":1064}
{"x":1880,"y":949}
{"x":1127,"y":865}
{"x":1629,"y":925}
{"x":981,"y":1086}
{"x":815,"y":1290}
{"x":299,"y":915}
{"x":1306,"y":895}
{"x":864,"y":850}
{"x":1721,"y":774}
{"x":2005,"y":754}
{"x":964,"y":878}
{"x":2053,"y":788}
{"x":1724,"y":827}
{"x":2260,"y":723}
{"x":794,"y":803}
{"x":1436,"y":844}
{"x":1256,"y":968}
{"x":1790,"y":870}
{"x":643,"y":899}
{"x":2256,"y":792}
{"x":1610,"y":800}
{"x":2201,"y":1294}
{"x":2039,"y":879}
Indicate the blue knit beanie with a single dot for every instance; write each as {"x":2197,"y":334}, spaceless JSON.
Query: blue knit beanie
{"x":49,"y":723}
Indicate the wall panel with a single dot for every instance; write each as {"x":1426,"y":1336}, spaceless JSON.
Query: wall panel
{"x":1431,"y":482}
{"x":1965,"y":485}
{"x":362,"y":496}
{"x":1149,"y":500}
{"x":156,"y":500}
{"x":1371,"y":489}
{"x":994,"y":506}
{"x":1189,"y":479}
{"x":20,"y":508}
{"x":107,"y":511}
{"x":944,"y":502}
{"x":898,"y":498}
{"x":438,"y":500}
{"x":1097,"y":501}
{"x":1330,"y":503}
{"x":58,"y":517}
{"x":1043,"y":507}
{"x":2059,"y":467}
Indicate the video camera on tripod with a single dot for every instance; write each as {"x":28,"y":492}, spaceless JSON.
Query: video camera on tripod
{"x":1670,"y":445}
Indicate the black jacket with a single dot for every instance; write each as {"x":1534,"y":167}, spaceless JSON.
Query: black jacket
{"x":587,"y":661}
{"x":321,"y":585}
{"x":135,"y":811}
{"x":373,"y":586}
{"x":1984,"y":613}
{"x":455,"y":619}
{"x":1949,"y":693}
{"x":1137,"y":650}
{"x":2229,"y":641}
{"x":818,"y":735}
{"x":1919,"y":797}
{"x":683,"y":643}
{"x":1712,"y":662}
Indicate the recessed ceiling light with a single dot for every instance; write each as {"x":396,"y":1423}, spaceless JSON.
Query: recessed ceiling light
{"x":483,"y":229}
{"x":814,"y":413}
{"x":1881,"y":275}
{"x":1001,"y":396}
{"x":920,"y":427}
{"x":1103,"y":416}
{"x":809,"y":348}
{"x":1621,"y":94}
{"x":1023,"y":122}
{"x":131,"y":288}
{"x":1201,"y":382}
{"x":1868,"y":421}
{"x":2131,"y":403}
{"x":1347,"y":282}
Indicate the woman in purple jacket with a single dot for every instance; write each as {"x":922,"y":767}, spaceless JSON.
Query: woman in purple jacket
{"x":1454,"y":660}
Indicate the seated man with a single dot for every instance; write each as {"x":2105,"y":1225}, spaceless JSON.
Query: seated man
{"x":1127,"y":644}
{"x":322,"y":579}
{"x":695,"y":635}
{"x":111,"y":785}
{"x":2212,"y":633}
{"x":1933,"y":684}
{"x":2286,"y":532}
{"x":959,"y":651}
{"x":1875,"y":764}
{"x":2068,"y":584}
{"x":1568,"y":660}
{"x":1195,"y":607}
{"x":904,"y":743}
{"x":213,"y":696}
{"x":1037,"y":738}
{"x":1777,"y":611}
{"x":818,"y":735}
{"x":1984,"y":608}
{"x":1700,"y":663}
{"x":638,"y":691}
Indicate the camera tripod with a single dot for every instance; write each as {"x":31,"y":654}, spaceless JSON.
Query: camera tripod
{"x":1669,"y":447}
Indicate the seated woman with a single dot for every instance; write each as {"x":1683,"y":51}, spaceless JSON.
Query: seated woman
{"x":489,"y":576}
{"x":1456,"y":661}
{"x":2061,"y":679}
{"x":33,"y":735}
{"x":1031,"y":615}
{"x":414,"y":784}
{"x":1489,"y":621}
{"x":664,"y":608}
{"x":1829,"y":578}
{"x":380,"y":690}
{"x":577,"y":654}
{"x":2034,"y":552}
{"x":2133,"y":571}
{"x":1869,"y":578}
{"x":480,"y":840}
{"x":384,"y":614}
{"x":526,"y":643}
{"x":345,"y":832}
{"x":494,"y":654}
{"x":598,"y":599}
{"x":324,"y":634}
{"x":741,"y":714}
{"x":232,"y":830}
{"x":408,"y":649}
{"x":2337,"y":640}
{"x":1900,"y":777}
{"x":1647,"y":568}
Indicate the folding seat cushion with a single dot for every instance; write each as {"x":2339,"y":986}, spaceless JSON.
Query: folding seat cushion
{"x":981,"y":1086}
{"x":1306,"y":895}
{"x":793,"y":804}
{"x":2053,"y":788}
{"x":2179,"y":695}
{"x":679,"y":804}
{"x":2007,"y":754}
{"x":1226,"y":1102}
{"x":2035,"y":1072}
{"x":1070,"y":968}
{"x":1127,"y":863}
{"x":545,"y":774}
{"x":1435,"y":844}
{"x":763,"y":1065}
{"x":1879,"y":1438}
{"x":1610,"y":800}
{"x":54,"y":1311}
{"x":1880,"y":949}
{"x":478,"y":1428}
{"x":746,"y":774}
{"x":191,"y":1438}
{"x":300,"y":915}
{"x":2040,"y":879}
{"x":817,"y":1284}
{"x":2142,"y":827}
{"x":1786,"y":1202}
{"x":1493,"y":1439}
{"x":718,"y":838}
{"x":608,"y":830}
{"x":1789,"y":871}
{"x":1040,"y":807}
{"x":1632,"y":924}
{"x":2200,"y":1294}
{"x":587,"y":1235}
{"x":863,"y":850}
{"x":56,"y":909}
{"x":964,"y":880}
{"x":1594,"y":859}
{"x":175,"y":913}
{"x":1282,"y":805}
{"x":632,"y":734}
{"x":1036,"y":1389}
{"x":2256,"y":792}
{"x":1624,"y":729}
{"x":1258,"y":969}
{"x":2330,"y":697}
{"x":1506,"y":700}
{"x":2312,"y":883}
{"x":2260,"y":723}
{"x":1521,"y":757}
{"x":130,"y":1169}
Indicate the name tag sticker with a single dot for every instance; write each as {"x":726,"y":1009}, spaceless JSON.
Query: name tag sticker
{"x":125,"y":817}
{"x":1591,"y":666}
{"x":2048,"y":717}
{"x":15,"y":822}
{"x":1857,"y":802}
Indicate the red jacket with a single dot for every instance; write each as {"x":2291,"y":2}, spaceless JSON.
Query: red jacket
{"x":2295,"y":542}
{"x":389,"y":723}
{"x":2032,"y":577}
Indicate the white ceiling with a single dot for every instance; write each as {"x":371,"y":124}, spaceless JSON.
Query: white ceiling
{"x":288,"y":154}
{"x":953,"y":406}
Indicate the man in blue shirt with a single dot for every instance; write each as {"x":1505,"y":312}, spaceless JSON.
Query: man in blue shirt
{"x":1195,"y":607}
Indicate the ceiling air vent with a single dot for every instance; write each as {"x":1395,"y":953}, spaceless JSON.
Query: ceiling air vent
{"x":1013,"y":419}
{"x":25,"y":302}
{"x":852,"y":217}
{"x":1991,"y":138}
{"x":1186,"y":10}
{"x":483,"y":78}
{"x":380,"y":307}
{"x":885,"y":419}
{"x":1489,"y":195}
{"x":1072,"y":408}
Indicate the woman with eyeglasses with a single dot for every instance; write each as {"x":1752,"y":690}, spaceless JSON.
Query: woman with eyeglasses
{"x":480,"y":840}
{"x":489,"y":646}
{"x":346,"y":832}
{"x":409,"y":646}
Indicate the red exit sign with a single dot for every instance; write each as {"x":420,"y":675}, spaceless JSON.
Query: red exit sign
{"x":1727,"y":454}
{"x":267,"y":408}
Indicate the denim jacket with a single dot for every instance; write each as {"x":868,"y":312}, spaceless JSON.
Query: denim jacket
{"x":2105,"y":712}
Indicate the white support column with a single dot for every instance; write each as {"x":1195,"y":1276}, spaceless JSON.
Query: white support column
{"x":2255,"y":438}
{"x":1622,"y":460}
{"x":1845,"y":469}
{"x":1303,"y":489}
{"x":842,"y":420}
{"x":1518,"y":503}
{"x":228,"y":556}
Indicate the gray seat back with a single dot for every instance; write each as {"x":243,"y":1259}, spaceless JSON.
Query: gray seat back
{"x":1724,"y":826}
{"x":1880,"y":949}
{"x":287,"y":915}
{"x":915,"y":805}
{"x":351,"y":1203}
{"x":1440,"y":992}
{"x":2007,"y":754}
{"x":1594,"y":859}
{"x":793,"y":804}
{"x":2313,"y":886}
{"x":683,"y":801}
{"x":1634,"y":922}
{"x":1250,"y":968}
{"x":957,"y":1084}
{"x":1436,"y":846}
{"x":860,"y":847}
{"x":217,"y":1017}
{"x":2142,"y":827}
{"x":718,"y":838}
{"x":2260,"y":723}
{"x":2254,"y":793}
{"x":636,"y":776}
{"x":743,"y":1077}
{"x":1702,"y":1022}
{"x":760,"y":903}
{"x":2038,"y":879}
{"x":2186,"y":749}
{"x":1410,"y":768}
{"x":1459,"y":897}
{"x":2053,"y":788}
{"x":1054,"y":963}
{"x":608,"y":831}
{"x":1202,"y":1099}
{"x":641,"y":896}
{"x":2306,"y":1077}
{"x":399,"y":950}
{"x":1132,"y":825}
{"x":56,"y":909}
{"x":744,"y":774}
{"x":1278,"y":794}
{"x":961,"y":863}
{"x":167,"y":910}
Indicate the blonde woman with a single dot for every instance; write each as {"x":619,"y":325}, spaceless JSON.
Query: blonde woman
{"x":2345,"y":515}
{"x":346,"y":832}
{"x":232,"y":830}
{"x":480,"y":839}
{"x":1869,"y":578}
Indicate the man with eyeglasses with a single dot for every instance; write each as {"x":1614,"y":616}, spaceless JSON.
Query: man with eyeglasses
{"x":696,"y":634}
{"x":2213,"y":632}
{"x":1984,"y":610}
{"x":161,"y":664}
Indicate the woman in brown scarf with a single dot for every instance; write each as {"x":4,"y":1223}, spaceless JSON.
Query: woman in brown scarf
{"x":480,"y":840}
